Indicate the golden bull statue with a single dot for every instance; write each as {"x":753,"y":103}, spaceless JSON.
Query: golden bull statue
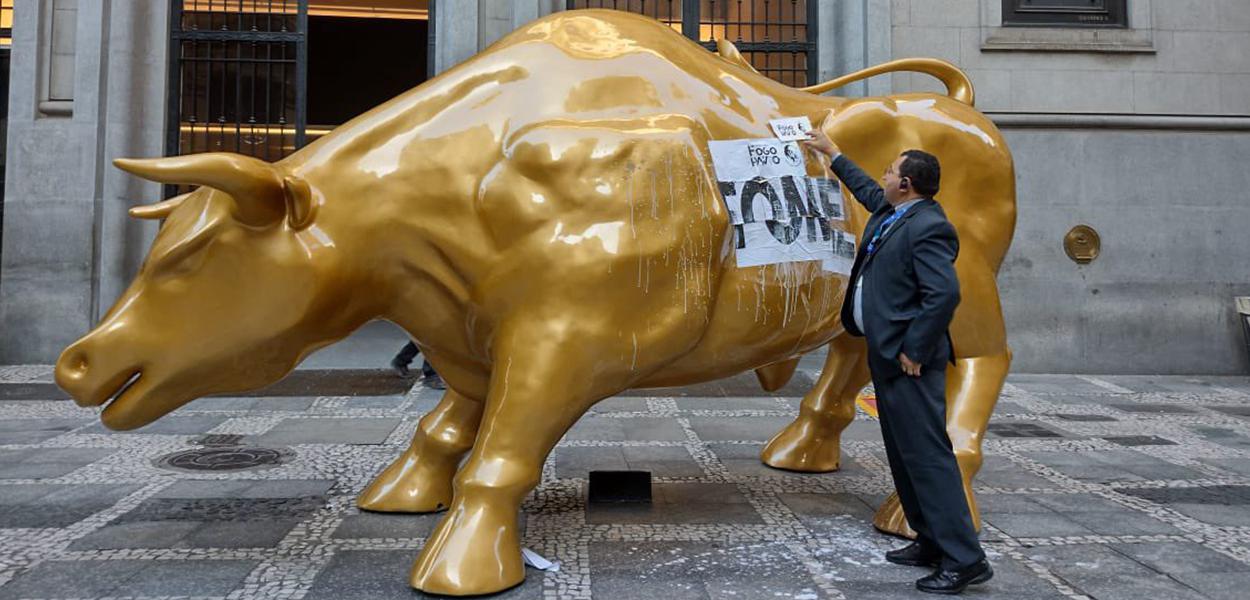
{"x":544,"y":220}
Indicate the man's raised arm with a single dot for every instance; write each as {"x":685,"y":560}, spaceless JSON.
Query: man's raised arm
{"x":864,"y":188}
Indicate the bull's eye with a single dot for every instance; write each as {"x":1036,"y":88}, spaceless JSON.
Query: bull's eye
{"x":186,"y":256}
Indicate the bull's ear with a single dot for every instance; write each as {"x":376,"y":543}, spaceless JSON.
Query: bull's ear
{"x":255,"y":185}
{"x":300,"y":206}
{"x":728,"y":51}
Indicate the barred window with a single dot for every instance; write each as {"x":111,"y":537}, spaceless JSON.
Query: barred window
{"x":236,"y":77}
{"x":1065,"y":13}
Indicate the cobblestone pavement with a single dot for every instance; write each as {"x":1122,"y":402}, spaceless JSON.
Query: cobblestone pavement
{"x":1093,"y":487}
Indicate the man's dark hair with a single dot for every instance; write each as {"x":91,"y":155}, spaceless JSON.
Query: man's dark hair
{"x":922,"y":170}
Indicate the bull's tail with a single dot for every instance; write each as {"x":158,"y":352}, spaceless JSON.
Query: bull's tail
{"x":958,"y":86}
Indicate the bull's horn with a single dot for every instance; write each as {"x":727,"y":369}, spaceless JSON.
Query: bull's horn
{"x":160,"y":210}
{"x":255,"y":185}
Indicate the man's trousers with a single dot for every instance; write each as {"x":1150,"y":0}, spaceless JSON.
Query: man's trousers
{"x":913,"y":424}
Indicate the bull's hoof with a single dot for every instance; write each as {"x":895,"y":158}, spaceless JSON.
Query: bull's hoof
{"x":474,"y":550}
{"x":410,"y":485}
{"x":890,"y":519}
{"x":804,"y":446}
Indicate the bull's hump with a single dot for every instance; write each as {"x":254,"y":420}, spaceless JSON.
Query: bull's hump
{"x":618,"y":43}
{"x":599,"y":34}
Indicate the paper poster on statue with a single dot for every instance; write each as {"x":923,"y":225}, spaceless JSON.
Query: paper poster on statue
{"x":829,"y":193}
{"x":779,"y":214}
{"x":843,"y":253}
{"x":741,"y":160}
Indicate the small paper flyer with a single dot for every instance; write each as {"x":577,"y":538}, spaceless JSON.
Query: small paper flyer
{"x":791,"y":129}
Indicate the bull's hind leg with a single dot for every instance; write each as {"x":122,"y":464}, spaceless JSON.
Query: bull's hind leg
{"x":972,"y":389}
{"x":812,"y":442}
{"x":420,"y":480}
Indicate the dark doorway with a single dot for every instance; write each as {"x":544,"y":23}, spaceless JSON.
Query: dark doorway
{"x":4,"y":117}
{"x":355,"y":64}
{"x":266,"y":78}
{"x":6,"y":48}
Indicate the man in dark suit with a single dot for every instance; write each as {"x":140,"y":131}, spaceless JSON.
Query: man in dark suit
{"x":903,"y":293}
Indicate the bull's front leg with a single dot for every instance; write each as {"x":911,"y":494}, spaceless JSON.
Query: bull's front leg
{"x":420,"y":480}
{"x":812,"y":442}
{"x":538,"y":389}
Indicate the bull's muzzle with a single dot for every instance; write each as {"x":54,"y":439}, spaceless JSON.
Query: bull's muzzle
{"x":92,"y":376}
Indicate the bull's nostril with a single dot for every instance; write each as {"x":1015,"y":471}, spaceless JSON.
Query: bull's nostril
{"x":76,"y":366}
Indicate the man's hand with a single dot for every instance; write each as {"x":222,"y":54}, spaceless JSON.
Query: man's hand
{"x":819,"y":142}
{"x":909,"y":367}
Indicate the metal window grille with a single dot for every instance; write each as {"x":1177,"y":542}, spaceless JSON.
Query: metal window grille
{"x":6,"y":41}
{"x":1065,"y":13}
{"x":6,"y":23}
{"x":238,"y":77}
{"x":778,"y":37}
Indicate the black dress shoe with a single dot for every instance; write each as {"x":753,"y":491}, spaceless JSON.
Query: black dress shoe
{"x":400,"y":367}
{"x":943,"y":581}
{"x":434,"y":381}
{"x":914,"y":555}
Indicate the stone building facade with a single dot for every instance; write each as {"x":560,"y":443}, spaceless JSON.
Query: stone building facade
{"x":1136,"y":132}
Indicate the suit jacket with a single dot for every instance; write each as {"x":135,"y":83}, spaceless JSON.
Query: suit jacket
{"x":910,"y":286}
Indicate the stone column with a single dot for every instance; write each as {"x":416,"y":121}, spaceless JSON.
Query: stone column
{"x":88,"y":85}
{"x":858,"y":37}
{"x":494,"y":20}
{"x":133,"y":124}
{"x":462,"y":29}
{"x":455,"y":33}
{"x":497,"y":18}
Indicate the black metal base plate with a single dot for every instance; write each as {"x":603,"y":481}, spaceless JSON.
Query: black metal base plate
{"x":615,"y":487}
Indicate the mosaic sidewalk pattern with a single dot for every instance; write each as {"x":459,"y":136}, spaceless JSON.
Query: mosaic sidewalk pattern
{"x":1093,"y":487}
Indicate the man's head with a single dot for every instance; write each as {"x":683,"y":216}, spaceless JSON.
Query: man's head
{"x":914,"y":174}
